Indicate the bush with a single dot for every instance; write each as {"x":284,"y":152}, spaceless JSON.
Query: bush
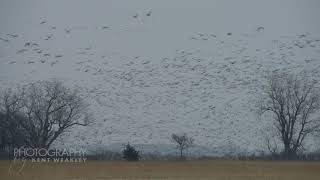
{"x":130,"y":153}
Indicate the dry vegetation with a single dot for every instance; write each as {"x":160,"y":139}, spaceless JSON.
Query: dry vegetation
{"x":219,"y":169}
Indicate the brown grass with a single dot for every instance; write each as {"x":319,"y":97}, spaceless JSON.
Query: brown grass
{"x":218,"y":169}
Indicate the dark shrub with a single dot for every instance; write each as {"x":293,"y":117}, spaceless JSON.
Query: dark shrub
{"x":130,"y":154}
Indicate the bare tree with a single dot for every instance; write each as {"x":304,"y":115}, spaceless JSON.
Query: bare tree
{"x":293,"y":102}
{"x":44,"y":110}
{"x":183,"y":142}
{"x":11,"y":133}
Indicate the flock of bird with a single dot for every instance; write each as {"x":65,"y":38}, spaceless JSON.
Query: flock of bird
{"x":35,"y":46}
{"x":213,"y":95}
{"x":207,"y":91}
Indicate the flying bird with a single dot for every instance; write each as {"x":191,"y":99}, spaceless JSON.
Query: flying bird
{"x":5,"y":40}
{"x":105,"y":27}
{"x":53,"y":63}
{"x":27,"y":44}
{"x":259,"y":29}
{"x":136,"y":15}
{"x":302,"y":36}
{"x":48,"y":37}
{"x":21,"y":51}
{"x":34,"y":44}
{"x":43,"y":22}
{"x":229,"y":34}
{"x":67,"y":31}
{"x":149,"y":13}
{"x":12,"y":35}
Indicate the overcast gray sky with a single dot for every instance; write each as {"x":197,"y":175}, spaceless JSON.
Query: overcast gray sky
{"x":283,"y":16}
{"x":75,"y":26}
{"x":171,"y":21}
{"x":168,"y":27}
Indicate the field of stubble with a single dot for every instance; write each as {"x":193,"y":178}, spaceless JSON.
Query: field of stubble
{"x":197,"y":170}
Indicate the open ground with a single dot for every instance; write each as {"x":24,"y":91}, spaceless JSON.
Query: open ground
{"x":214,"y":169}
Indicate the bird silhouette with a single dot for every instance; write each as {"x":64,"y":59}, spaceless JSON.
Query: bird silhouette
{"x":67,"y":31}
{"x":21,"y":51}
{"x":12,"y":35}
{"x":149,"y":13}
{"x":48,"y":37}
{"x":5,"y":40}
{"x":27,"y":44}
{"x":43,"y":22}
{"x":34,"y":44}
{"x":136,"y":15}
{"x":259,"y":29}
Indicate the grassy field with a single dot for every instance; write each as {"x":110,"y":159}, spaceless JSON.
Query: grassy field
{"x":218,"y":169}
